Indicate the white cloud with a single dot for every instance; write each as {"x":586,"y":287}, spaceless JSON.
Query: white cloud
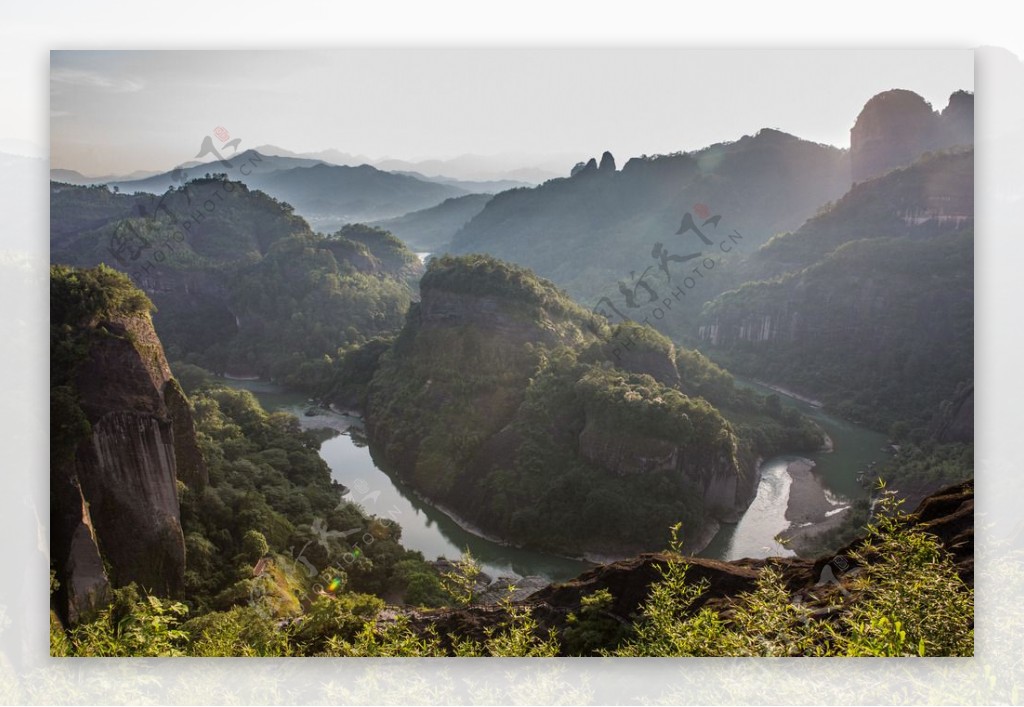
{"x":92,"y":79}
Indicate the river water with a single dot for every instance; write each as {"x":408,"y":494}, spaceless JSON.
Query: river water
{"x":855,"y":449}
{"x":427,"y":529}
{"x":424,"y":528}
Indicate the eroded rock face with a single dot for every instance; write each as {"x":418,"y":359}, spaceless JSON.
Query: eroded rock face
{"x":440,"y":309}
{"x":956,"y":423}
{"x":625,"y":455}
{"x":127,"y":475}
{"x":115,"y":510}
{"x":648,"y":360}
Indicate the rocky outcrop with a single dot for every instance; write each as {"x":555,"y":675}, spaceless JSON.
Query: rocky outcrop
{"x":955,"y":420}
{"x":725,"y":487}
{"x":948,"y":514}
{"x":607,"y":163}
{"x":442,"y":309}
{"x":898,"y":126}
{"x":191,"y":466}
{"x":625,"y":455}
{"x":84,"y":584}
{"x":115,"y":504}
{"x":958,"y":119}
{"x":642,"y":350}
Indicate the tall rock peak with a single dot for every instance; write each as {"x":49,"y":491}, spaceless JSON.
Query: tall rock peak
{"x":607,"y":162}
{"x":897,"y":126}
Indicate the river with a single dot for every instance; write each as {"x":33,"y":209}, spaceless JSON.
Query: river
{"x":427,"y":529}
{"x":424,"y":528}
{"x":855,"y":449}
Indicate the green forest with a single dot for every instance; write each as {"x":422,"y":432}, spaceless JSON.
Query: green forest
{"x":246,"y":287}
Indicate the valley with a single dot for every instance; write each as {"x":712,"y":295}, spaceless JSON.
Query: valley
{"x":311,"y":408}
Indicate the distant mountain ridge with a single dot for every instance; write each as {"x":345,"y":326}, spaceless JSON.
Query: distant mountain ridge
{"x":71,"y":176}
{"x":328,"y":196}
{"x":432,"y":229}
{"x":469,"y":167}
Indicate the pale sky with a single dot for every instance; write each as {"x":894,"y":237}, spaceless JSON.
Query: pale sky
{"x":116,"y":112}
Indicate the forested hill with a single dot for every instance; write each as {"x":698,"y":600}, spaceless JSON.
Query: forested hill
{"x":241,"y":284}
{"x":869,"y":306}
{"x":507,"y":402}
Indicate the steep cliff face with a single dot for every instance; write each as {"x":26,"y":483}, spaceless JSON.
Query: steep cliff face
{"x":881,"y":330}
{"x":898,"y":126}
{"x":114,"y":502}
{"x":955,"y":419}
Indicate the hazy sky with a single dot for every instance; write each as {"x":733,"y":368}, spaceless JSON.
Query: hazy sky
{"x":115,"y":112}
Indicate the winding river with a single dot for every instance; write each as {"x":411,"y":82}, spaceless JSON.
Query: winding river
{"x":432,"y":532}
{"x":424,"y":527}
{"x":855,"y":449}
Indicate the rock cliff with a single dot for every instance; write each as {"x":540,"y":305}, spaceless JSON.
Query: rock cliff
{"x":955,"y":419}
{"x":114,"y":499}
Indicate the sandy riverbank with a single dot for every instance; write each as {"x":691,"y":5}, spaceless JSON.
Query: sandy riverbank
{"x":808,"y":510}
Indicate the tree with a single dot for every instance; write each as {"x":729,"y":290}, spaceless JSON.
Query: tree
{"x":254,"y":545}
